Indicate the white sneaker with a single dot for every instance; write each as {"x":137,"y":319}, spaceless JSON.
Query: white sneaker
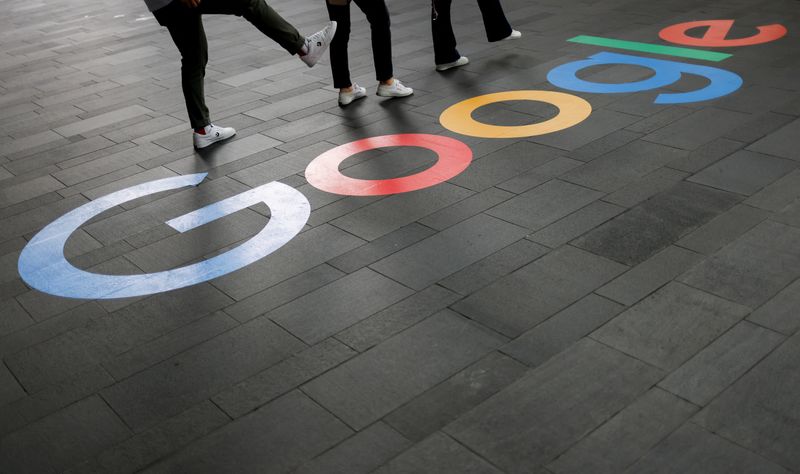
{"x":213,"y":134}
{"x":317,"y":43}
{"x":346,"y":98}
{"x":395,"y":89}
{"x":513,"y":36}
{"x":462,"y":61}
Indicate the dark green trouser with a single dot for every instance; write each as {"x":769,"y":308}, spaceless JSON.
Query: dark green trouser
{"x":185,"y":25}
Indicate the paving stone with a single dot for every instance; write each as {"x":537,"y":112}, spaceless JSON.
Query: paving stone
{"x":777,"y":195}
{"x":694,"y":450}
{"x":545,"y":204}
{"x":369,"y":386}
{"x":381,"y":247}
{"x":721,"y":363}
{"x":598,"y":125}
{"x":757,"y":411}
{"x":362,"y":453}
{"x":619,"y":167}
{"x":14,"y":318}
{"x":761,"y":126}
{"x":753,"y":268}
{"x":28,"y":190}
{"x":35,"y":406}
{"x":338,"y":305}
{"x":650,"y":275}
{"x":744,"y":172}
{"x":780,"y":142}
{"x":723,"y":229}
{"x":627,"y":436}
{"x":396,"y":318}
{"x":63,"y":439}
{"x":465,"y":209}
{"x":104,"y":338}
{"x":276,"y":438}
{"x":581,"y":388}
{"x":538,"y":290}
{"x":679,"y":322}
{"x":444,"y":403}
{"x":282,"y":377}
{"x":539,"y":175}
{"x":394,"y":212}
{"x":779,"y":312}
{"x":638,"y":234}
{"x":283,"y":293}
{"x":141,"y":450}
{"x":576,"y":224}
{"x":89,"y":124}
{"x":170,"y":344}
{"x":559,"y":332}
{"x":697,"y":129}
{"x":438,"y":453}
{"x":10,"y":390}
{"x":504,"y":164}
{"x":442,"y":254}
{"x":296,"y":257}
{"x":601,"y":146}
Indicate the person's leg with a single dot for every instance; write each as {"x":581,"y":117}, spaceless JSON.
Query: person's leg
{"x":494,"y":20}
{"x":262,"y":16}
{"x":380,"y":25}
{"x":340,"y":65}
{"x":444,"y":40}
{"x":186,"y":28}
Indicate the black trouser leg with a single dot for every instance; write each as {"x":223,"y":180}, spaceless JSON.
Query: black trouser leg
{"x":494,"y":20}
{"x":186,"y":28}
{"x":444,"y":40}
{"x":380,"y":27}
{"x":262,"y":16}
{"x":340,"y":65}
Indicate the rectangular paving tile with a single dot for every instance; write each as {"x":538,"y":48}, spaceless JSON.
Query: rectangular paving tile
{"x":779,"y":313}
{"x":442,"y":254}
{"x":543,"y":414}
{"x":444,"y":403}
{"x":89,"y":124}
{"x":564,"y":329}
{"x":693,"y":449}
{"x":438,"y":453}
{"x":744,"y":172}
{"x":701,"y":127}
{"x":373,"y":384}
{"x":670,"y":326}
{"x":396,"y":318}
{"x":602,"y":122}
{"x":780,"y":143}
{"x":465,"y":209}
{"x":535,"y":292}
{"x":759,"y":411}
{"x":721,"y":363}
{"x":545,"y":204}
{"x":143,"y":449}
{"x":281,"y":378}
{"x":275,"y":439}
{"x":387,"y":215}
{"x":753,"y":268}
{"x":360,"y":454}
{"x":723,"y":229}
{"x":63,"y":439}
{"x":627,"y":436}
{"x":623,"y":165}
{"x":777,"y":195}
{"x":650,"y":275}
{"x":10,"y":390}
{"x":177,"y":383}
{"x":576,"y":224}
{"x":504,"y":164}
{"x":638,"y":234}
{"x":338,"y":305}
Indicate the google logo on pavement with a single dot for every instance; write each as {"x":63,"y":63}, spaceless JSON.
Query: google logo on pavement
{"x":42,"y":264}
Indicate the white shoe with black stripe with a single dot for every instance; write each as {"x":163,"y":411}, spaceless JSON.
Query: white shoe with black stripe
{"x":212,"y":134}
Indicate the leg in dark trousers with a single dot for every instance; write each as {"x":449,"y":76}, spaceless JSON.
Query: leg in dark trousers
{"x":444,"y":41}
{"x":494,"y":20}
{"x":185,"y":25}
{"x":380,"y":27}
{"x":378,"y":16}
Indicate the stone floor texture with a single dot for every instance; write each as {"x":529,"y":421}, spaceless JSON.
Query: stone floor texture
{"x":619,"y":296}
